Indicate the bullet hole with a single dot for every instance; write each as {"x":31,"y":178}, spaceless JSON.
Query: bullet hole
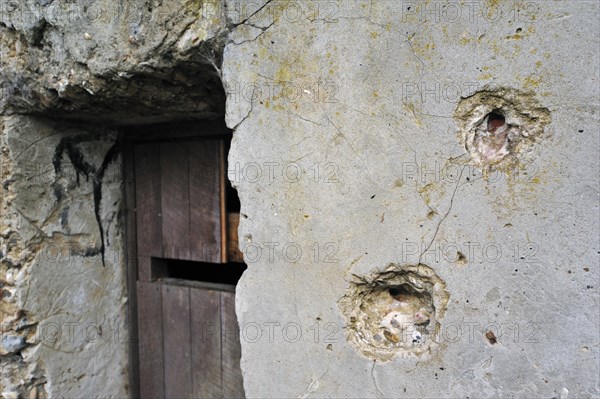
{"x":491,"y":139}
{"x":497,"y":127}
{"x":519,"y":30}
{"x":495,"y":120}
{"x":372,"y":196}
{"x":586,"y":269}
{"x":396,"y":312}
{"x":491,"y":337}
{"x":580,"y":130}
{"x":461,"y":258}
{"x":329,"y":347}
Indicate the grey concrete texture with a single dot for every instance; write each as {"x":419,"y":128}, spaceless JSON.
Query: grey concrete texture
{"x":117,"y":62}
{"x":351,"y":156}
{"x":418,"y":180}
{"x":64,"y":322}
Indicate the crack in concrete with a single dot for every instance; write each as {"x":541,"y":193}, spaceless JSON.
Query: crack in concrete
{"x":263,"y":29}
{"x":444,"y":216}
{"x":253,"y":14}
{"x":374,"y":380}
{"x":249,"y":111}
{"x":310,"y":389}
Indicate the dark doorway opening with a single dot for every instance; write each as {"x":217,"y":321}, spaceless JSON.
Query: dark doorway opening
{"x":184,"y":261}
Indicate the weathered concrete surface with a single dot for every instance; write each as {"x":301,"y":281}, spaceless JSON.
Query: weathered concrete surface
{"x":125,"y":61}
{"x":62,"y":269}
{"x":64,"y":324}
{"x":347,"y":108}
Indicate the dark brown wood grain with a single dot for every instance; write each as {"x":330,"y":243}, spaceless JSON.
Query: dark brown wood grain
{"x":144,"y":268}
{"x":175,"y":200}
{"x":223,"y":200}
{"x":188,"y":343}
{"x":206,"y":342}
{"x":205,"y":202}
{"x":148,"y":201}
{"x":231,"y":349}
{"x":177,"y":341}
{"x":127,"y":149}
{"x":150,"y":343}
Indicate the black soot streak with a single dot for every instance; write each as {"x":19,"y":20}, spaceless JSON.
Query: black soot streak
{"x":82,"y":167}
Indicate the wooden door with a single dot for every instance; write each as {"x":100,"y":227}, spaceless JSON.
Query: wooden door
{"x":179,"y":200}
{"x":189,"y":341}
{"x":188,"y":335}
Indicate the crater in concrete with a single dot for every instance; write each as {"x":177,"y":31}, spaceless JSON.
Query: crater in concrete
{"x":396,"y":312}
{"x":498,"y":126}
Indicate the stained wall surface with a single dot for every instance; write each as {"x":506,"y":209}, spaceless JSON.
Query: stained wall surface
{"x":64,"y":317}
{"x":418,"y":184}
{"x":65,"y":330}
{"x":374,"y":137}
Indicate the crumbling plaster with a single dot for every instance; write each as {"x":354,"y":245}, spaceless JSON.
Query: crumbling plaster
{"x":66,"y":310}
{"x":71,"y":72}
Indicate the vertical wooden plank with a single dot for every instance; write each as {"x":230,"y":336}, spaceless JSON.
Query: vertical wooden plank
{"x":177,"y":341}
{"x":144,"y":265}
{"x":175,"y":200}
{"x":231,"y":349}
{"x":127,"y":150}
{"x":147,"y":192}
{"x":206,"y":343}
{"x":233,"y":247}
{"x":205,"y":201}
{"x":150,"y":324}
{"x":223,"y":210}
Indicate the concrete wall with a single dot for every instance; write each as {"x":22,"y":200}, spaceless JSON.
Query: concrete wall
{"x":65,"y":328}
{"x":64,"y":325}
{"x":418,"y":184}
{"x":363,"y":162}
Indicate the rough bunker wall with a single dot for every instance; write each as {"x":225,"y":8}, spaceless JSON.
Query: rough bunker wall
{"x":419,"y":198}
{"x":65,"y":325}
{"x":63,"y":281}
